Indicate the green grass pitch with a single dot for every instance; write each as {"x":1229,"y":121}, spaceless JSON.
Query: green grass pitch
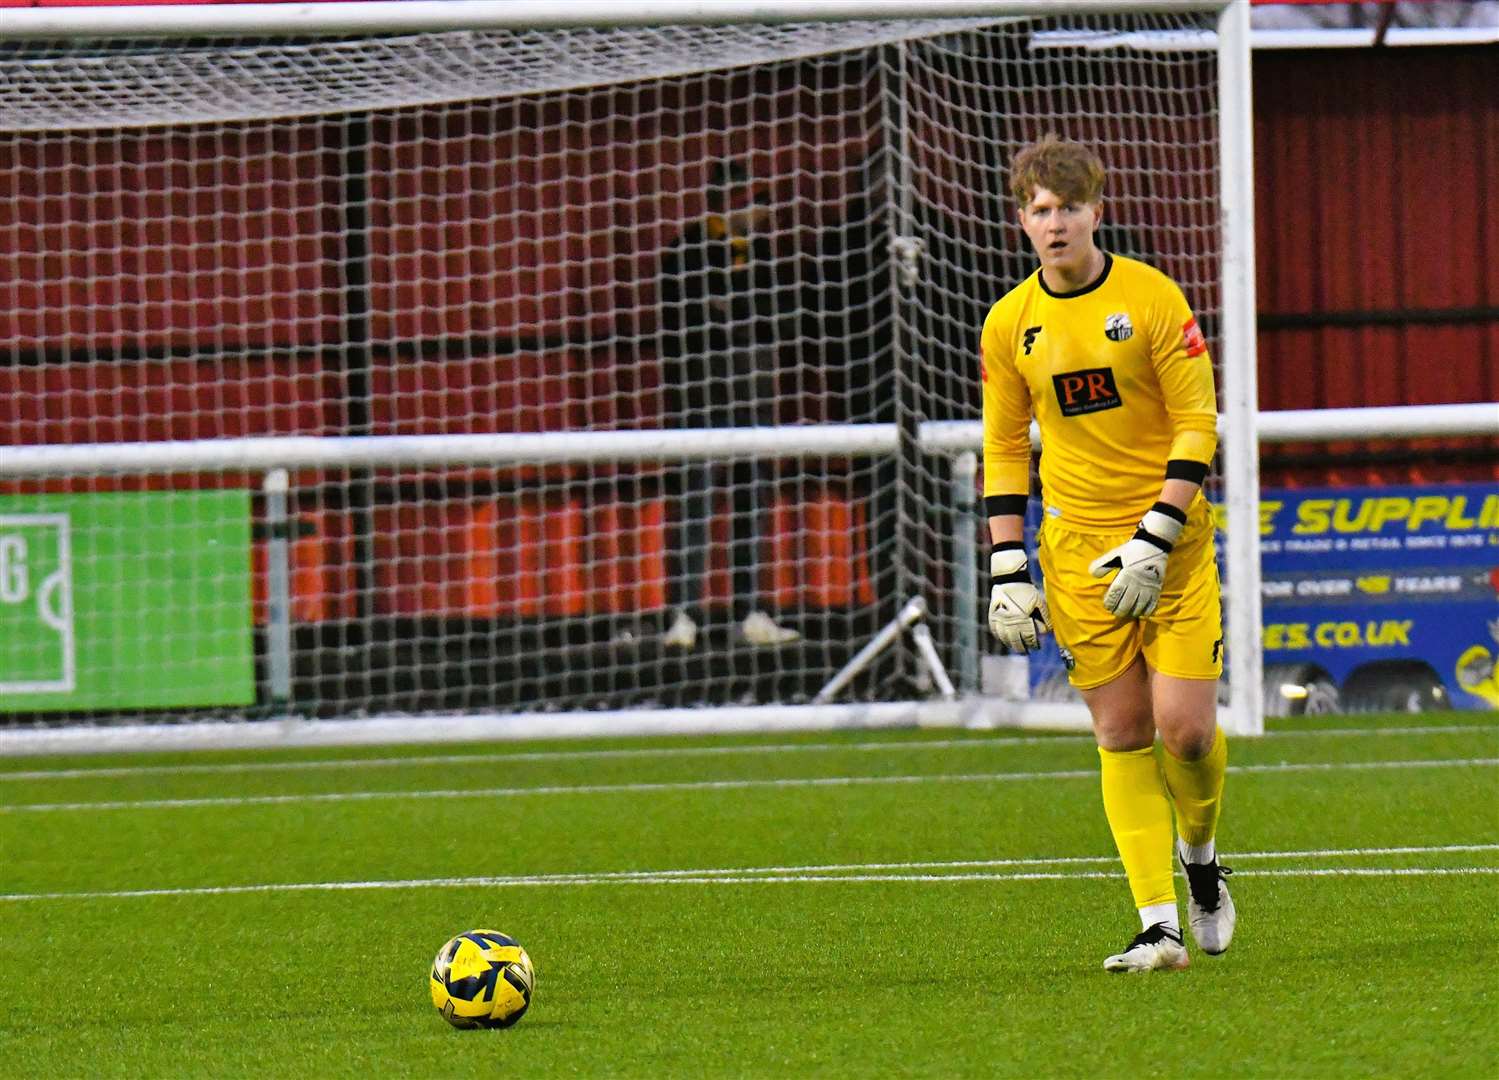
{"x":914,"y":903}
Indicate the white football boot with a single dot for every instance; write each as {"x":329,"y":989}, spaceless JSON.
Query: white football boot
{"x":759,"y":628}
{"x":1156,"y":948}
{"x":1210,"y":910}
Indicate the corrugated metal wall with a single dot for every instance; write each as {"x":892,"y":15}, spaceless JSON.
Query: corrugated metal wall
{"x":1378,"y":244}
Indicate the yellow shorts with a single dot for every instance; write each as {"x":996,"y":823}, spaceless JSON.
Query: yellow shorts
{"x":1182,"y":637}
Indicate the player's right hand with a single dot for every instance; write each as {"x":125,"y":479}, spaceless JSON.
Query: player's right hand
{"x":1017,"y":610}
{"x":1141,"y":562}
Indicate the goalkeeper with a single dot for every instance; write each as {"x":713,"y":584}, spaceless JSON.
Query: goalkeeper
{"x":1105,"y":354}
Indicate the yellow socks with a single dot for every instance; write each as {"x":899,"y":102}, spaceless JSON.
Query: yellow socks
{"x":1138,"y":801}
{"x":1197,"y":790}
{"x":1138,"y":807}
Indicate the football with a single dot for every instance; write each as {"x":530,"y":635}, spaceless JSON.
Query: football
{"x":482,"y":979}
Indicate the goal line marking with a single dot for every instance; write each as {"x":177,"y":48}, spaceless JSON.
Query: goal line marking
{"x":421,"y":761}
{"x":968,"y":870}
{"x":696,"y":785}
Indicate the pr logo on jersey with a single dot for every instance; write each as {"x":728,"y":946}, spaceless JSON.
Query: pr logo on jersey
{"x":1192,"y":338}
{"x":1117,"y":327}
{"x":1088,"y":391}
{"x":1030,"y":338}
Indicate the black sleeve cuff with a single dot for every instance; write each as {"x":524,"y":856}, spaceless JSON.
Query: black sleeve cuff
{"x":1003,"y":505}
{"x":1182,"y":469}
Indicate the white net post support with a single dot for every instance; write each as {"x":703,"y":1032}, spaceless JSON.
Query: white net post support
{"x":278,"y":589}
{"x":1155,"y":97}
{"x":402,"y":261}
{"x":1240,"y":453}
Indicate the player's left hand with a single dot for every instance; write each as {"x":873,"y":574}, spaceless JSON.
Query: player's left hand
{"x":1141,"y":562}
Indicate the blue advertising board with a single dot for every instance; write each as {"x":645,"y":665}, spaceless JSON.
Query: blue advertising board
{"x":1370,"y":585}
{"x":1353,"y":577}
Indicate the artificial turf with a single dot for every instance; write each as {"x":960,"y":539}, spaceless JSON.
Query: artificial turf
{"x":929,"y":903}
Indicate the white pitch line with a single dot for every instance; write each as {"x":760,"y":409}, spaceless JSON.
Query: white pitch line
{"x":856,"y":873}
{"x":561,"y":789}
{"x":1080,"y":875}
{"x":1376,"y":871}
{"x":1358,"y":853}
{"x":535,"y":882}
{"x":542,"y":755}
{"x":697,"y":785}
{"x":418,"y":761}
{"x":1337,"y":766}
{"x":1434,"y":729}
{"x":1064,"y":860}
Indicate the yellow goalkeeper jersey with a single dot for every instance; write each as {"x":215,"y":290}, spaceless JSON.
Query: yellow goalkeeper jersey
{"x":1119,"y":379}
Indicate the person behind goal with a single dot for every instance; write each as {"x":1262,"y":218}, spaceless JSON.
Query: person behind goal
{"x":1104,"y":352}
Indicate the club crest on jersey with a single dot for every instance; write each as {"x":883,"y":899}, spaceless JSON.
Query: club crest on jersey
{"x":1117,"y":327}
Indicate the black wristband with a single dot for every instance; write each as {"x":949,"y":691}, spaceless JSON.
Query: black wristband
{"x":1182,"y":469}
{"x":1004,"y":505}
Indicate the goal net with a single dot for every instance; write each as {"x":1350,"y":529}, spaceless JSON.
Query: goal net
{"x":516,"y":374}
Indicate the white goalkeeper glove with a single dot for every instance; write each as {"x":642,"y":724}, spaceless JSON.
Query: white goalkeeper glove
{"x":1141,"y":562}
{"x":1017,"y":610}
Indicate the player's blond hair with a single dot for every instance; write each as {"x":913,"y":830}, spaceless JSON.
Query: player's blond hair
{"x":1068,"y":168}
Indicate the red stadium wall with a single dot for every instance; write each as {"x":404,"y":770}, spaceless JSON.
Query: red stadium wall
{"x":1377,"y":239}
{"x":1377,"y":285}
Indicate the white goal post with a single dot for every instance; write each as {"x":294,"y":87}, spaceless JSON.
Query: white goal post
{"x":366,"y":306}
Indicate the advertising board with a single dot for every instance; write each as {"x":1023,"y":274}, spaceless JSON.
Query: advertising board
{"x":122,"y":600}
{"x":1392,"y":593}
{"x":1374,"y":599}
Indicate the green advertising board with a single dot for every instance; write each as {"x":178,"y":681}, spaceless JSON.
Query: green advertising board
{"x":125,"y":600}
